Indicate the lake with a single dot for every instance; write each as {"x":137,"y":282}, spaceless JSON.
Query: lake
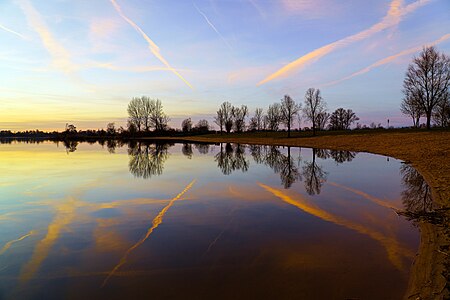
{"x":156,"y":220}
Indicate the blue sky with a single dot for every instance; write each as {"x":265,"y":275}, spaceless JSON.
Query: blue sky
{"x":82,"y":61}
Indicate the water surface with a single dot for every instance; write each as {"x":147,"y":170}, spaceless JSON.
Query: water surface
{"x":141,"y":220}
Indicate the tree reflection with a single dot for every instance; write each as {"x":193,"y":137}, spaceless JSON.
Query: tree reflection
{"x":314,"y":175}
{"x":187,"y":150}
{"x":71,"y":146}
{"x":416,"y":196}
{"x":147,"y":160}
{"x":202,"y":148}
{"x":232,"y":158}
{"x":341,"y":156}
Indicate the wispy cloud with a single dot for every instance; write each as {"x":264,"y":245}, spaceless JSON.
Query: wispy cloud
{"x":61,"y":58}
{"x":387,"y":60}
{"x":12,"y":31}
{"x":393,"y":17}
{"x":213,"y":27}
{"x":151,"y":45}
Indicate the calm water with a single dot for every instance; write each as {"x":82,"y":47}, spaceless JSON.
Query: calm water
{"x":90,"y":221}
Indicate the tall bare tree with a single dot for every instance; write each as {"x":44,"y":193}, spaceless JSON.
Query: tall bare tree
{"x":134,"y":110}
{"x":410,"y":106}
{"x":314,"y":105}
{"x":239,"y":115}
{"x":145,"y":113}
{"x":427,"y":80}
{"x":289,"y":109}
{"x":258,"y":118}
{"x":158,"y":119}
{"x":225,"y":116}
{"x":274,"y":116}
{"x":322,"y":120}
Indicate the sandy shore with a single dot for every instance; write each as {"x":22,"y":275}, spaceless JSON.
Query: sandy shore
{"x":428,"y":152}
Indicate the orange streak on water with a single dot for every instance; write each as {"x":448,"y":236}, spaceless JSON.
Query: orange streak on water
{"x":9,"y":244}
{"x":155,"y":223}
{"x":393,"y":248}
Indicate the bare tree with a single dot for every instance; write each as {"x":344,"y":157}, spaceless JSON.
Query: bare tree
{"x":186,"y":125}
{"x":410,"y":106}
{"x":441,"y":116}
{"x":219,"y":120}
{"x":134,"y":110}
{"x":342,"y":119}
{"x":289,"y":109}
{"x":145,"y":113}
{"x":322,"y":120}
{"x":111,"y":129}
{"x":202,"y":126}
{"x":239,"y":115}
{"x":314,"y":105}
{"x":158,"y":119}
{"x":427,"y":80}
{"x":274,"y":116}
{"x":258,"y":118}
{"x":224,"y":116}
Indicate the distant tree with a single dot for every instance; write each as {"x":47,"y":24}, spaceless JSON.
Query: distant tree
{"x":146,"y":113}
{"x":257,"y":121}
{"x":410,"y":106}
{"x":111,"y":129}
{"x":342,"y":119}
{"x":239,"y":115}
{"x":322,"y":120}
{"x":70,"y":129}
{"x":132,"y":129}
{"x":158,"y":119}
{"x":427,"y":80}
{"x":274,"y":116}
{"x":202,"y":126}
{"x":314,"y":105}
{"x":186,"y":125}
{"x":225,"y":116}
{"x":219,"y":119}
{"x":289,"y":109}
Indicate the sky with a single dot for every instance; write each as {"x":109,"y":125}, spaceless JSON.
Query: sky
{"x":82,"y":61}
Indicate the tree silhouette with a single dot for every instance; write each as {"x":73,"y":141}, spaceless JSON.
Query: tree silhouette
{"x":427,"y":81}
{"x":289,"y":109}
{"x":314,"y":106}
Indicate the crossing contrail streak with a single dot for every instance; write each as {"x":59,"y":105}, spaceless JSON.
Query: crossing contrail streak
{"x":388,"y":59}
{"x":394,"y":16}
{"x":12,"y":31}
{"x":9,"y":244}
{"x":151,"y":45}
{"x":155,"y":223}
{"x":213,"y":27}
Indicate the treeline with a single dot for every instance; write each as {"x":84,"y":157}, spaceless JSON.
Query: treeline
{"x":285,"y":113}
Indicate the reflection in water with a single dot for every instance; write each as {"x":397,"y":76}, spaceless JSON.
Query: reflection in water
{"x":147,"y":160}
{"x":395,"y":251}
{"x":232,"y":158}
{"x":187,"y":150}
{"x":374,"y":199}
{"x":9,"y":244}
{"x":417,"y":194}
{"x":71,"y":146}
{"x":155,"y":223}
{"x":314,"y":175}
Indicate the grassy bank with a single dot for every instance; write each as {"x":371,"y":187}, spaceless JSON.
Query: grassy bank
{"x":427,"y":151}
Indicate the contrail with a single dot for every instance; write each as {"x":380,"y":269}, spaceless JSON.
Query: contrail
{"x":155,"y":223}
{"x":393,"y":17}
{"x":60,"y":56}
{"x":393,"y":248}
{"x":8,"y":244}
{"x":12,"y":31}
{"x":213,"y":27}
{"x":151,"y":45}
{"x":388,"y":60}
